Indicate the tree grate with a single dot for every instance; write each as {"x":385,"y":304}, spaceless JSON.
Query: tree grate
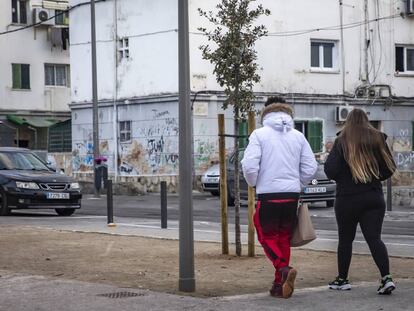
{"x":121,"y":295}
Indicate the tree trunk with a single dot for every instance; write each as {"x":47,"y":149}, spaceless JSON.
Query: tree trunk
{"x":237,"y":182}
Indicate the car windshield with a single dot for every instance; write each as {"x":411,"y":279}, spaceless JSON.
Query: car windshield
{"x":21,"y":161}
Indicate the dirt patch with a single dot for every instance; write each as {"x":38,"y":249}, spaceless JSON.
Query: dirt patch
{"x":153,"y":264}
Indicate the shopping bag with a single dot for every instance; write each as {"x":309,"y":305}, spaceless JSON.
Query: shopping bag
{"x":303,"y":232}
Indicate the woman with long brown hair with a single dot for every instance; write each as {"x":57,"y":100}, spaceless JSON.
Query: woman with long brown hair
{"x":359,"y":160}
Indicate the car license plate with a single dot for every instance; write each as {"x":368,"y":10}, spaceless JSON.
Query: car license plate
{"x":315,"y":190}
{"x":51,"y":195}
{"x":212,"y":179}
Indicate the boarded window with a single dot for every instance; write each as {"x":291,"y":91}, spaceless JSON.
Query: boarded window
{"x":243,"y":132}
{"x":315,"y":135}
{"x":313,"y":131}
{"x":60,"y":137}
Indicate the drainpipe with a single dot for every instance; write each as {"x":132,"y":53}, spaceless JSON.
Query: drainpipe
{"x":341,"y":20}
{"x":366,"y":42}
{"x":115,"y":105}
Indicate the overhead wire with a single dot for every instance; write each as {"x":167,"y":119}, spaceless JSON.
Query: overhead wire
{"x":270,"y":34}
{"x":51,"y":17}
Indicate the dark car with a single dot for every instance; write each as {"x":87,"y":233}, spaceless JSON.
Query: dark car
{"x":320,"y":189}
{"x":26,"y":182}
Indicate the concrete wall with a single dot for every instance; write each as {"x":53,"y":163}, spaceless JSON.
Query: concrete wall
{"x":143,"y":88}
{"x":284,"y":60}
{"x":153,"y":149}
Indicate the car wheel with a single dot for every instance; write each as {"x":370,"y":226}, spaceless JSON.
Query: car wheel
{"x":215,"y":193}
{"x":4,"y":208}
{"x":330,"y":203}
{"x":65,"y":211}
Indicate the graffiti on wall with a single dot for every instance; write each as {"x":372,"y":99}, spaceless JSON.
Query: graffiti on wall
{"x":82,"y":153}
{"x":404,"y":160}
{"x":155,"y":148}
{"x":204,"y":153}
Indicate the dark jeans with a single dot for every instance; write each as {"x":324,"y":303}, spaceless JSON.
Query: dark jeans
{"x":368,"y":210}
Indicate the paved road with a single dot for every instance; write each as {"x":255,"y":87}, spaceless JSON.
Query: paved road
{"x":207,"y":208}
{"x":141,"y":215}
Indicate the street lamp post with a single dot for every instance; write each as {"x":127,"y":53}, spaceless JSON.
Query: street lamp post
{"x":186,"y":245}
{"x":94,"y":94}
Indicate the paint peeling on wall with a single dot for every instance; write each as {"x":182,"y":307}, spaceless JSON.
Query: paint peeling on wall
{"x":402,"y":141}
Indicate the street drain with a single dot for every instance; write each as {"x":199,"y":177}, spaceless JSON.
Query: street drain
{"x":121,"y":295}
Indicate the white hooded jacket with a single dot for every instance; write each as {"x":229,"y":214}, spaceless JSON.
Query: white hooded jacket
{"x":278,"y":157}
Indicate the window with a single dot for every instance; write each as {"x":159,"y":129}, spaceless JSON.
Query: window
{"x":404,"y":59}
{"x":61,"y":17}
{"x":19,"y":11}
{"x":60,"y":137}
{"x":313,"y":133}
{"x":21,"y":76}
{"x":123,"y":48}
{"x":324,"y":55}
{"x":57,"y":75}
{"x":125,"y":131}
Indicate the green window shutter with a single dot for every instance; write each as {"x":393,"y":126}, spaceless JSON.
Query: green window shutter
{"x":243,"y":132}
{"x":16,"y":74}
{"x":315,"y":135}
{"x":25,"y":70}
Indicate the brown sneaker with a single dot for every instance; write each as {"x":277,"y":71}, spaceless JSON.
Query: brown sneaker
{"x":276,"y":290}
{"x":288,"y":281}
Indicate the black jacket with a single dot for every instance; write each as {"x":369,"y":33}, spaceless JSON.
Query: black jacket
{"x":337,"y":168}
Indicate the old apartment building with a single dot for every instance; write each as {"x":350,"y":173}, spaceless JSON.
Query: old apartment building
{"x":35,"y":75}
{"x":326,"y":57}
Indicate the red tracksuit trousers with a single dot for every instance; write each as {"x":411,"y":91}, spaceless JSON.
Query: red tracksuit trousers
{"x":274,"y":220}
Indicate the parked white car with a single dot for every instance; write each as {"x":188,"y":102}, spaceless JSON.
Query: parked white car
{"x":211,"y":180}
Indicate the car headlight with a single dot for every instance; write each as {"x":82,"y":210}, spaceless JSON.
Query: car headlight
{"x":74,"y":185}
{"x":26,"y":185}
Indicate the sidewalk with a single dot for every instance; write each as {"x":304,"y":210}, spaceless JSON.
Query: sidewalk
{"x":29,"y":293}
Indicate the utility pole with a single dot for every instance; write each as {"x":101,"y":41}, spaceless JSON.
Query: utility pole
{"x":366,"y":43}
{"x":94,"y":95}
{"x":186,"y":232}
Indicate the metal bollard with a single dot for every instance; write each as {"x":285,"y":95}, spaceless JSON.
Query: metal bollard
{"x":389,"y":195}
{"x":164,"y":205}
{"x":110,"y":203}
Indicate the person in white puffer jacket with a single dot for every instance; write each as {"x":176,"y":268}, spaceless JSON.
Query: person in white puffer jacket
{"x":278,"y":161}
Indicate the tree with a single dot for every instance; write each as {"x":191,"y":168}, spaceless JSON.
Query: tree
{"x":234,"y":59}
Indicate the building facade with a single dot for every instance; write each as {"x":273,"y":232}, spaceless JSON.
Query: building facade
{"x":326,"y":57}
{"x":34,"y":75}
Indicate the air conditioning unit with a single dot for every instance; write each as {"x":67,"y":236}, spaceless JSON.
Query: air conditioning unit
{"x":379,"y":92}
{"x":410,"y":7}
{"x":43,"y":15}
{"x":342,"y":113}
{"x":361,"y":92}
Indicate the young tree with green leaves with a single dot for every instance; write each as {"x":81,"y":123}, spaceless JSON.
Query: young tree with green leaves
{"x":234,"y":58}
